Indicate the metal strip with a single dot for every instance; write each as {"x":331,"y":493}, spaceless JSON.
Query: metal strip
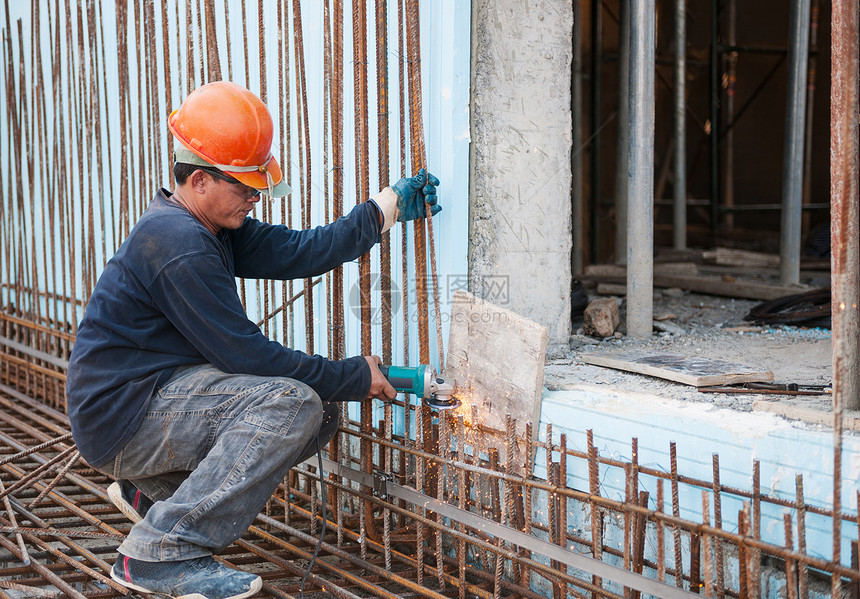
{"x":555,"y":552}
{"x":35,"y":353}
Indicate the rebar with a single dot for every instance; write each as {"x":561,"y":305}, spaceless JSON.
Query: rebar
{"x":474,"y":469}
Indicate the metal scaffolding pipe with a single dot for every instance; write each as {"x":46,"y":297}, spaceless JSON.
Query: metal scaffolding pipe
{"x":679,"y":212}
{"x":795,"y":117}
{"x":596,"y":62}
{"x":640,"y":190}
{"x":714,"y":118}
{"x":621,"y":158}
{"x":577,"y":210}
{"x":845,"y":260}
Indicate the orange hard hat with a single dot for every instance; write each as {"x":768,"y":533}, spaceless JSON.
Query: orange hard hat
{"x":230,"y":128}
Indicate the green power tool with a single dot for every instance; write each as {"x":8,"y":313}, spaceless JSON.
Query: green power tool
{"x":437,"y":391}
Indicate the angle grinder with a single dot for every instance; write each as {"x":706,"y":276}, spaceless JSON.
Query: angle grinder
{"x":437,"y":391}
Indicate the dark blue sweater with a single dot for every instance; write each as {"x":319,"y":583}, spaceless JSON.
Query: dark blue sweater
{"x":168,"y":298}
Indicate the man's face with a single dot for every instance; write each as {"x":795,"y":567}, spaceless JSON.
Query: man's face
{"x":230,"y":202}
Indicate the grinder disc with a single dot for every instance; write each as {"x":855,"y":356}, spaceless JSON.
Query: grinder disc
{"x":438,"y":403}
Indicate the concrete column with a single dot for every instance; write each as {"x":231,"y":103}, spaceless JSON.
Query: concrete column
{"x":795,"y":115}
{"x":640,"y":190}
{"x":520,"y":209}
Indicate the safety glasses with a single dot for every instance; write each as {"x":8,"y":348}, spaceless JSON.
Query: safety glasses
{"x":246,"y":193}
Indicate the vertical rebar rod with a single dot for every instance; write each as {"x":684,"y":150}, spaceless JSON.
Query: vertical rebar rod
{"x":623,"y":132}
{"x":594,"y":510}
{"x":800,"y":509}
{"x":528,"y":471}
{"x":679,"y":212}
{"x":444,"y":437}
{"x":845,"y":260}
{"x":706,"y":546}
{"x":676,"y":511}
{"x":792,"y":169}
{"x":743,"y":553}
{"x":563,"y":502}
{"x":382,"y":149}
{"x":462,"y":496}
{"x":755,"y":557}
{"x":577,"y":184}
{"x":718,"y":523}
{"x":510,"y":461}
{"x":629,"y":494}
{"x":844,"y":234}
{"x":640,"y":191}
{"x":790,"y":566}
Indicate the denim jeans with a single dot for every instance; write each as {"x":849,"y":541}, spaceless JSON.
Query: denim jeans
{"x":210,"y":452}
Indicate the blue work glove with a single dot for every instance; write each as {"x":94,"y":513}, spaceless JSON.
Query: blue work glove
{"x":413,"y":193}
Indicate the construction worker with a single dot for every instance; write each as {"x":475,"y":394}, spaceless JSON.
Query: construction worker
{"x":172,"y":390}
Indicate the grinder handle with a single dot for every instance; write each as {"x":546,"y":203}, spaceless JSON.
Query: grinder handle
{"x":403,"y":378}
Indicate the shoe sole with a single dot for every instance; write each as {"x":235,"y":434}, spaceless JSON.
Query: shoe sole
{"x":114,"y":492}
{"x":255,"y":588}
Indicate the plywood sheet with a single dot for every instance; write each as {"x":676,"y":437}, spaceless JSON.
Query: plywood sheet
{"x":497,"y":358}
{"x":689,"y":370}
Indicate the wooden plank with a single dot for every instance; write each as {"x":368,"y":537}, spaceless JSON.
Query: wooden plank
{"x":620,"y":270}
{"x":689,"y":370}
{"x":713,"y":286}
{"x":497,"y":358}
{"x":735,"y":288}
{"x":731,"y":257}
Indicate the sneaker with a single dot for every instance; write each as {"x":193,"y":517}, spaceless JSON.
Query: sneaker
{"x":200,"y":578}
{"x":129,"y":500}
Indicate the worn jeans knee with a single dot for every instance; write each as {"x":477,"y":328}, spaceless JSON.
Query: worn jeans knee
{"x":279,"y":411}
{"x":232,"y":438}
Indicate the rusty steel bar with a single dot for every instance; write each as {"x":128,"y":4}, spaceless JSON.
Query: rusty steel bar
{"x":594,"y":509}
{"x":718,"y":523}
{"x":25,"y":557}
{"x":845,"y":260}
{"x":844,"y":233}
{"x":706,"y":546}
{"x":676,"y":512}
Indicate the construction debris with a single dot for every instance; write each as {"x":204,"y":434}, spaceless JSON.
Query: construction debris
{"x":689,"y":370}
{"x":601,"y":317}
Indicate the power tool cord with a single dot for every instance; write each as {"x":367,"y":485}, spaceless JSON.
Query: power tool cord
{"x":324,"y":520}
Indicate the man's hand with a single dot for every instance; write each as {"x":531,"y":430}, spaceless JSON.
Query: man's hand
{"x":413,"y":193}
{"x":380,"y":388}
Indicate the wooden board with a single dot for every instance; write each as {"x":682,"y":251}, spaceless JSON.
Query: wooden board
{"x":497,"y":358}
{"x":712,"y":285}
{"x":689,"y":370}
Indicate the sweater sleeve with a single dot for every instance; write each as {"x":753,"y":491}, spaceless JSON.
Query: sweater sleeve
{"x":198,"y":295}
{"x":264,"y":251}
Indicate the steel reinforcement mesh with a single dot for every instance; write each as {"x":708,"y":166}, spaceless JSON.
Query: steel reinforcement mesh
{"x":463,"y":515}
